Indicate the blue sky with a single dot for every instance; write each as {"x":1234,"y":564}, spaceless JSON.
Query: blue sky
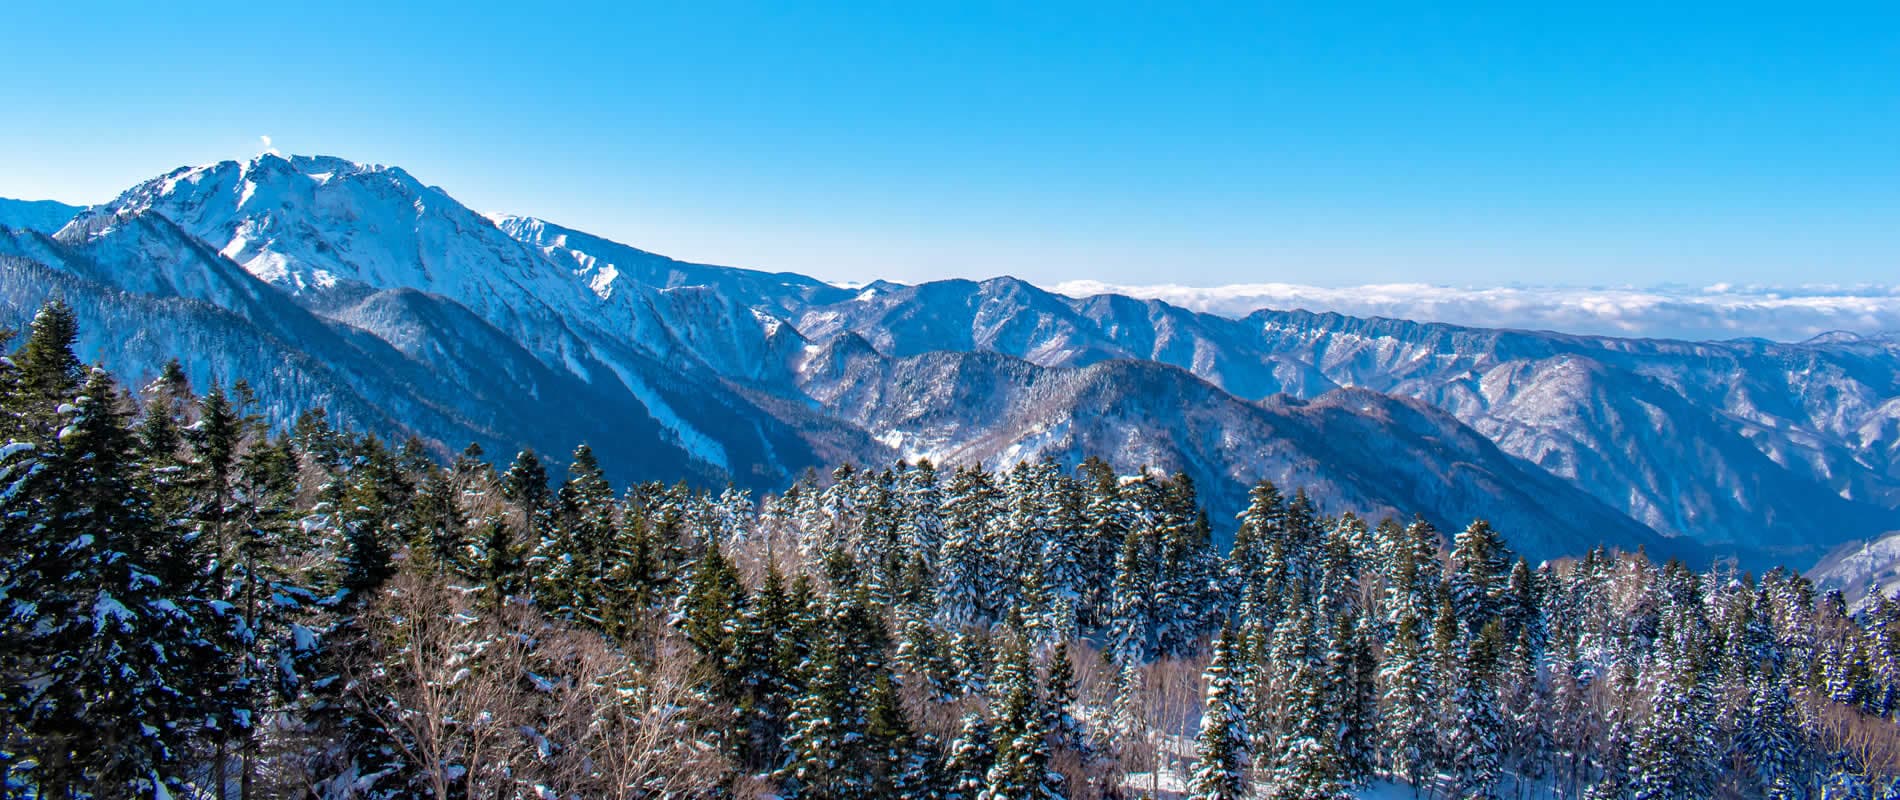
{"x":1205,"y":144}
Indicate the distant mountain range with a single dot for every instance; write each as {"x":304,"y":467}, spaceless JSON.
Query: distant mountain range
{"x":1788,"y":312}
{"x":356,"y":288}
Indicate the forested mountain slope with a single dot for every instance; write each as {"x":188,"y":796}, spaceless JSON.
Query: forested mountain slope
{"x":409,"y":313}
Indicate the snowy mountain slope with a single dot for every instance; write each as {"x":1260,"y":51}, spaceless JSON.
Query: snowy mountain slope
{"x":1751,"y":443}
{"x":396,"y":362}
{"x":1856,"y":569}
{"x":1360,"y":450}
{"x":330,"y":233}
{"x":606,"y":265}
{"x":42,"y":216}
{"x":514,"y":330}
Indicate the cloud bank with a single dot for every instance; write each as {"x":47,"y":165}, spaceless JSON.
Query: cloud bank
{"x":1721,"y":311}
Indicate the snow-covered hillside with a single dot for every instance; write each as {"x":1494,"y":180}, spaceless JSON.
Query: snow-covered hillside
{"x":1859,"y":569}
{"x":359,"y":288}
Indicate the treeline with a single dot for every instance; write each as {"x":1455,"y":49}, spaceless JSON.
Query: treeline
{"x":193,"y":605}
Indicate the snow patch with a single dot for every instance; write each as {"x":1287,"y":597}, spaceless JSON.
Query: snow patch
{"x":695,"y":443}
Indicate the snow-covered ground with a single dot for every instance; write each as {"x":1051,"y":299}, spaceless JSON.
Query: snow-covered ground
{"x":1170,"y":785}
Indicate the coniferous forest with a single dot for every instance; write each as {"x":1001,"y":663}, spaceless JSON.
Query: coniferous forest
{"x":199,"y":605}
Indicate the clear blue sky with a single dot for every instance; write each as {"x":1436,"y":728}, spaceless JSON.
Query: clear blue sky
{"x":1606,"y":143}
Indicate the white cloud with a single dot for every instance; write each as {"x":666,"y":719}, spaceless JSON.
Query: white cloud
{"x":268,"y":149}
{"x":1719,"y":311}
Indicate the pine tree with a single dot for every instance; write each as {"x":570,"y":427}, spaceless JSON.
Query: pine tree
{"x":771,"y":649}
{"x":1184,"y":572}
{"x":920,"y":525}
{"x":1132,"y":619}
{"x":46,"y":374}
{"x":899,"y":768}
{"x":525,"y":484}
{"x":113,"y":700}
{"x":1106,"y":526}
{"x":1020,"y":736}
{"x":1475,"y":744}
{"x":971,"y":756}
{"x":501,"y":567}
{"x":1309,"y":764}
{"x":1059,"y":697}
{"x":1353,"y":671}
{"x":577,"y":557}
{"x":372,"y":500}
{"x":1223,"y":745}
{"x":710,"y":614}
{"x":1672,"y":752}
{"x":968,"y":576}
{"x":1407,"y":722}
{"x":826,"y":732}
{"x":439,"y":529}
{"x":1481,"y":565}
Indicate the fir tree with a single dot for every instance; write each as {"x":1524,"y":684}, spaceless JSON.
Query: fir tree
{"x":1481,"y":565}
{"x":971,"y":756}
{"x":1020,"y":736}
{"x":1407,"y":721}
{"x":899,"y":768}
{"x":1475,"y":744}
{"x":1223,"y":745}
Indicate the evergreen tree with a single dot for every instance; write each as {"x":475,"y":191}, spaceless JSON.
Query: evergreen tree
{"x":968,"y":576}
{"x":1064,"y":729}
{"x":439,"y":530}
{"x":1475,"y":744}
{"x":101,"y":689}
{"x":971,"y":756}
{"x":1021,"y":736}
{"x":1223,"y":745}
{"x":1407,"y":721}
{"x":1132,"y":622}
{"x":1481,"y":564}
{"x":710,"y":614}
{"x":1106,"y":524}
{"x":899,"y":768}
{"x":1352,"y":672}
{"x":1309,"y":764}
{"x":578,"y":556}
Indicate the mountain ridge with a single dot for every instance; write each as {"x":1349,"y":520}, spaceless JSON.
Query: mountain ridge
{"x":1768,"y":449}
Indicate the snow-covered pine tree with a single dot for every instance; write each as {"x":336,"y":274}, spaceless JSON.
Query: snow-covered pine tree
{"x":972,"y":754}
{"x":583,"y":536}
{"x":1184,"y":574}
{"x":827,"y":745}
{"x":920,"y":520}
{"x":1020,"y":735}
{"x":770,"y":652}
{"x":99,"y":688}
{"x":1223,"y":746}
{"x":965,"y":572}
{"x":439,"y":530}
{"x":1480,"y":569}
{"x":369,"y":513}
{"x":1476,"y":730}
{"x":525,"y":484}
{"x":1407,"y":704}
{"x":1132,"y":618}
{"x":710,"y":614}
{"x":1066,"y":731}
{"x":1671,"y":755}
{"x":1309,"y":764}
{"x":1106,"y":526}
{"x":898,"y":767}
